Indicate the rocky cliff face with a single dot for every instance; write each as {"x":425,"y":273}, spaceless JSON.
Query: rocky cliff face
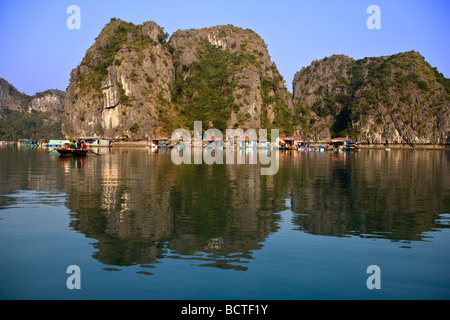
{"x":122,"y":81}
{"x":24,"y":116}
{"x":13,"y":100}
{"x":393,"y":99}
{"x":50,"y":102}
{"x":133,"y":84}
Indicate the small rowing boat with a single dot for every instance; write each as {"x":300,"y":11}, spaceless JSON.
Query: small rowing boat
{"x":63,"y":152}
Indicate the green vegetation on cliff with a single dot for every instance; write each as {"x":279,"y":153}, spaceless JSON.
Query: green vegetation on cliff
{"x":401,"y":93}
{"x":207,"y":93}
{"x":213,"y":88}
{"x":25,"y":116}
{"x":19,"y":124}
{"x":116,"y":35}
{"x":283,"y":116}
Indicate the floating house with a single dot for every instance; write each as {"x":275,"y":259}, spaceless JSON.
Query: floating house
{"x":97,"y":143}
{"x":55,"y":143}
{"x":339,"y":143}
{"x":289,"y":143}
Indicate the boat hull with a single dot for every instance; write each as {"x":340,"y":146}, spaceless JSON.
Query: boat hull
{"x":71,"y":152}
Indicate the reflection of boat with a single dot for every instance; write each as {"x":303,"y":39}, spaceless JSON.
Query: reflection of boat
{"x":71,"y":152}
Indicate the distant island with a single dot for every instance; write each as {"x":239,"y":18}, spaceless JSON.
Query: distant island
{"x":135,"y":83}
{"x":24,"y":116}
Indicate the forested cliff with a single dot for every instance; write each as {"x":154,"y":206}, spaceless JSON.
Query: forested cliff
{"x":392,"y":99}
{"x":24,"y":116}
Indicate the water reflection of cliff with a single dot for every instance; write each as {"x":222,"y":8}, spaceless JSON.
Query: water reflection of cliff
{"x":395,"y":195}
{"x":140,"y":206}
{"x":26,"y":168}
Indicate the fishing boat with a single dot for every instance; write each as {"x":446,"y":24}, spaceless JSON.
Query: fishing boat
{"x":352,"y":146}
{"x":63,"y":152}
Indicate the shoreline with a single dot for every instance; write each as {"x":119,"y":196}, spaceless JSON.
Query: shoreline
{"x":406,"y":146}
{"x":144,"y":143}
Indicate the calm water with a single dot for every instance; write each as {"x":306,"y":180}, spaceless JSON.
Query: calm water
{"x":140,"y":227}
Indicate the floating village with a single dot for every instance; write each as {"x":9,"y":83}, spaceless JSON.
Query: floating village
{"x":81,"y":147}
{"x":281,"y":143}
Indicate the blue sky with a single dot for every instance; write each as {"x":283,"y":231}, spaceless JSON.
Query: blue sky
{"x":38,"y":50}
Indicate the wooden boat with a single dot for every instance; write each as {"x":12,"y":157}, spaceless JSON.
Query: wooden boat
{"x":63,"y":152}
